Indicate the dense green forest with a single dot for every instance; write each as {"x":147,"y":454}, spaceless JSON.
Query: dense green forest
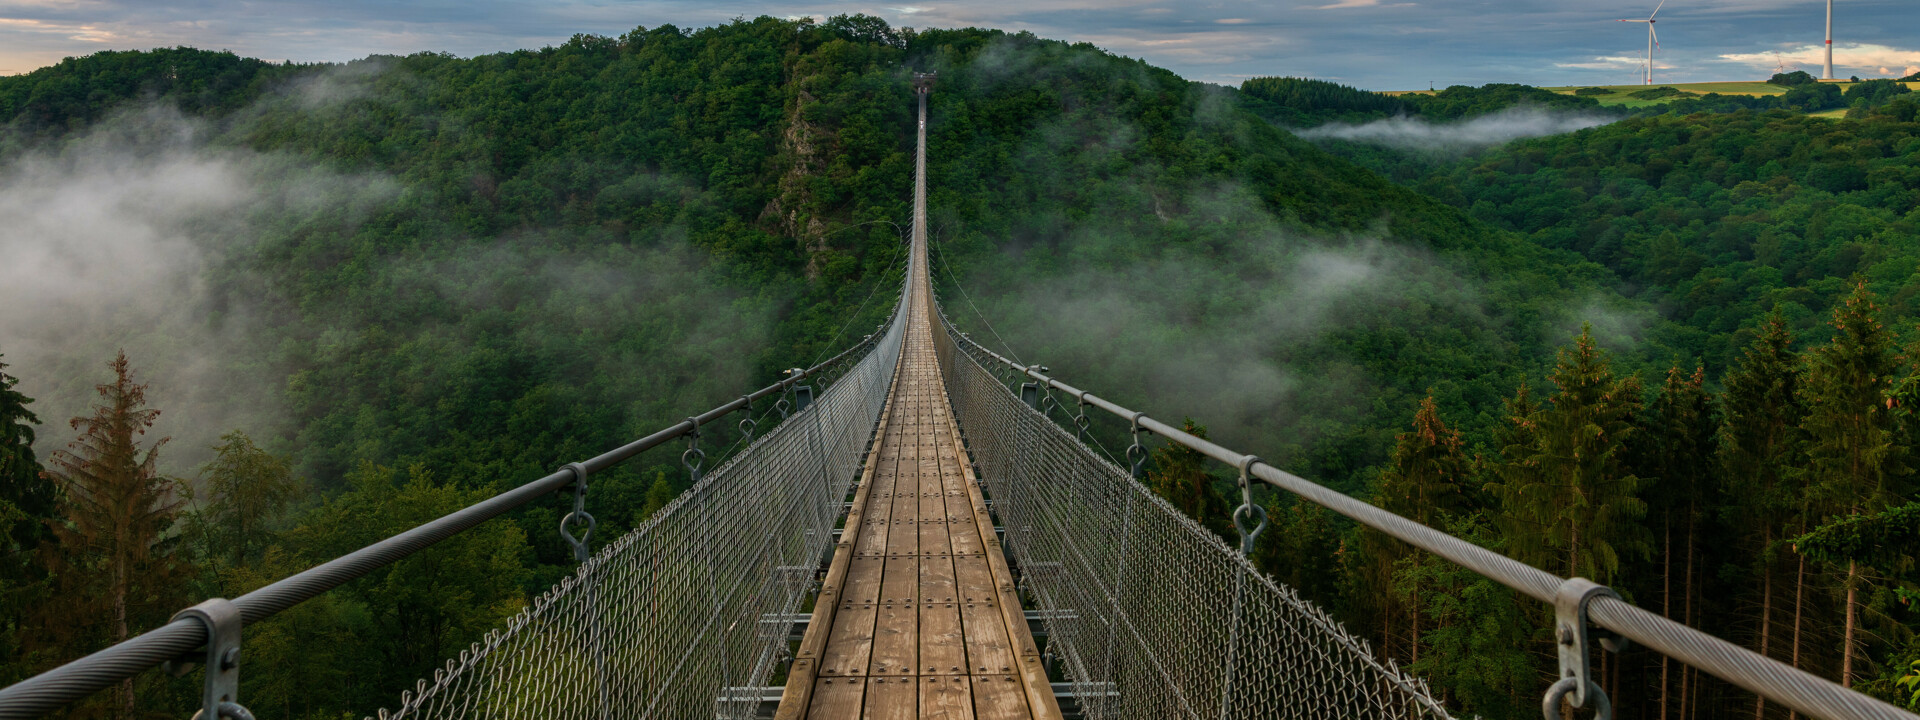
{"x":454,"y":275}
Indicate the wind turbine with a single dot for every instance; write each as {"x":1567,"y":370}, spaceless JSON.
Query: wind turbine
{"x":1829,"y":75}
{"x":1653,"y":38}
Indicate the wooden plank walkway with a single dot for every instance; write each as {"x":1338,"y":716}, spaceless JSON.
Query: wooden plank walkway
{"x":918,"y":616}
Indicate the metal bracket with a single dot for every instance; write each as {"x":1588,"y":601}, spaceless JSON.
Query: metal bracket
{"x":579,"y":514}
{"x":802,"y":397}
{"x":1248,"y":513}
{"x":1576,"y":683}
{"x":220,"y":697}
{"x":1030,"y":394}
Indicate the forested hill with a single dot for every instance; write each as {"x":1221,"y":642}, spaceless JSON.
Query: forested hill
{"x":387,"y":288}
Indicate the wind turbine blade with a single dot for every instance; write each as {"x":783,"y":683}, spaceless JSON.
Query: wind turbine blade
{"x":1656,"y":9}
{"x":1654,"y":34}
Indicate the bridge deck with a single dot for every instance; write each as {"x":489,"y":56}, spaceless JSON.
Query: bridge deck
{"x":918,"y":616}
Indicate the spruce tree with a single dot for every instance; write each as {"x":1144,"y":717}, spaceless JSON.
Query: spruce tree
{"x":1423,"y":482}
{"x":1854,"y":459}
{"x":1678,"y":470}
{"x":27,"y":501}
{"x":21,"y":486}
{"x":1758,"y":446}
{"x":1571,"y":502}
{"x":112,"y":557}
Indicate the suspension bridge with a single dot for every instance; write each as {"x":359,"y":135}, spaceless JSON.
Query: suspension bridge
{"x":925,"y":540}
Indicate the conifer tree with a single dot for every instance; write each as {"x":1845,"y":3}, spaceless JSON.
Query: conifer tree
{"x":1678,"y":466}
{"x":21,"y":486}
{"x":1571,"y":502}
{"x":1854,"y":461}
{"x":1423,"y":482}
{"x":1759,"y":444}
{"x":27,"y":500}
{"x":112,"y":558}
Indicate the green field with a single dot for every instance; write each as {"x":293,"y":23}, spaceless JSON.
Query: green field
{"x":1622,"y":94}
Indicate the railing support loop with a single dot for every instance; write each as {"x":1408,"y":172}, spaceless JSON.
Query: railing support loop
{"x":746,"y":423}
{"x":1248,"y":514}
{"x":579,"y":514}
{"x":220,"y":695}
{"x":1576,"y":684}
{"x":1080,"y":421}
{"x":693,"y":457}
{"x":1137,"y":453}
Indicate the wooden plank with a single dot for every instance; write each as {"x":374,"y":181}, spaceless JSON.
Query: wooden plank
{"x":896,"y":645}
{"x":946,"y":698}
{"x":889,"y":698}
{"x":837,"y":698}
{"x":943,"y":647}
{"x":901,"y":583}
{"x":851,"y":643}
{"x":999,"y":697}
{"x":863,"y":581}
{"x":988,"y":649}
{"x":933,"y":522}
{"x":903,"y":532}
{"x":974,"y":580}
{"x":936,"y":580}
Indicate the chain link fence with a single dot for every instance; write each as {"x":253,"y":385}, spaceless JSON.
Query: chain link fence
{"x":1151,"y":615}
{"x":686,"y":614}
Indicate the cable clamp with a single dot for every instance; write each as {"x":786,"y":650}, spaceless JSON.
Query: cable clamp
{"x":220,"y":696}
{"x":1576,"y":684}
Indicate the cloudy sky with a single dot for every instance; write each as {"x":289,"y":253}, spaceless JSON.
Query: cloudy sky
{"x":1376,"y":44}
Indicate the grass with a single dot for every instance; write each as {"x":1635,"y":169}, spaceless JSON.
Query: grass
{"x":1622,"y":94}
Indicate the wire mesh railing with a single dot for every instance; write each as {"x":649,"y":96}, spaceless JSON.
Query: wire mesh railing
{"x":1577,"y":602}
{"x":747,"y":536}
{"x":694,"y":602}
{"x":1151,"y":614}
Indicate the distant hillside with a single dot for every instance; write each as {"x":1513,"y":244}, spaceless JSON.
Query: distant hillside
{"x":1300,"y":102}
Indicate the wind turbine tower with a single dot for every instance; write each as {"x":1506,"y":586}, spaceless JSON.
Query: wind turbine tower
{"x":1653,"y":39}
{"x":1829,"y":74}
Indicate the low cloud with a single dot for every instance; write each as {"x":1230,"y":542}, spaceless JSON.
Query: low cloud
{"x":1856,"y":59}
{"x":1616,"y":62}
{"x":109,"y":239}
{"x":1413,"y":133}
